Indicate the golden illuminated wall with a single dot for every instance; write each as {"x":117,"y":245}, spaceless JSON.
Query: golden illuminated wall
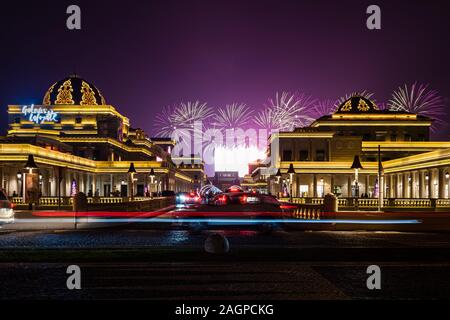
{"x":10,"y":153}
{"x":73,"y":119}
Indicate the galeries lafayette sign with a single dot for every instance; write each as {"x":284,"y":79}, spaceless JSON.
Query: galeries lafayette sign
{"x":39,"y":115}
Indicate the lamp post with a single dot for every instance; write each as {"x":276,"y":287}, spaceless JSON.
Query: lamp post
{"x":278,"y":176}
{"x":152,"y":177}
{"x":131,"y":172}
{"x":356,"y":166}
{"x":380,"y":180}
{"x":291,"y":172}
{"x":19,"y":183}
{"x":30,"y":165}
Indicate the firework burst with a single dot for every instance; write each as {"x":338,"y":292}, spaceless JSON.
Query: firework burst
{"x":236,"y":115}
{"x":286,"y":112}
{"x":164,"y":124}
{"x":419,"y":99}
{"x":186,"y":114}
{"x":182,"y":118}
{"x":365,"y":94}
{"x":322,"y":108}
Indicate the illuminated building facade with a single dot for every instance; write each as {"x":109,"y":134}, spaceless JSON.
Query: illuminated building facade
{"x":322,"y":154}
{"x":81,"y":143}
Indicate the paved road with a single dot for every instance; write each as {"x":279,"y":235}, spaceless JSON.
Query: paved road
{"x":170,"y":264}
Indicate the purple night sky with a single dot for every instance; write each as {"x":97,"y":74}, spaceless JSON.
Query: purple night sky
{"x":144,"y":55}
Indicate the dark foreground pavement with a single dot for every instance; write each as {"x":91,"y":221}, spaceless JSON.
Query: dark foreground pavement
{"x":170,"y":264}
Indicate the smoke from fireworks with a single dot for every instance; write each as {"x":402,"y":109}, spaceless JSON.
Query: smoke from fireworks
{"x":419,"y":99}
{"x":286,"y":112}
{"x":236,"y":115}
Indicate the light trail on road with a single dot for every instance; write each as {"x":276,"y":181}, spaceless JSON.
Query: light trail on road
{"x":217,"y":221}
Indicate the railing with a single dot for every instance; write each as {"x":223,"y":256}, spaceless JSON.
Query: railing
{"x":442,"y":203}
{"x":308,"y":211}
{"x":413,"y":203}
{"x":372,"y":203}
{"x":53,"y":201}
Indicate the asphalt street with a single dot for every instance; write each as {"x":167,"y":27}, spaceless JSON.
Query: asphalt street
{"x":160,"y":262}
{"x":171,"y":264}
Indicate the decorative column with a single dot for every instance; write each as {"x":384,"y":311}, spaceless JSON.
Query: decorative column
{"x":421,"y":184}
{"x":447,"y":183}
{"x":332,"y":183}
{"x":441,"y":181}
{"x":366,"y":187}
{"x":349,"y":186}
{"x":315,"y":186}
{"x":429,"y":185}
{"x":405,"y":184}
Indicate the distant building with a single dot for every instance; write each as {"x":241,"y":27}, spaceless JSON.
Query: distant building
{"x":226,"y":179}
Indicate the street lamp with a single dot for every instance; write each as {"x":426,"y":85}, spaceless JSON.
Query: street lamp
{"x":278,"y":176}
{"x":131,"y":172}
{"x":152,"y":177}
{"x":291,"y":172}
{"x":29,"y":165}
{"x":356,"y":166}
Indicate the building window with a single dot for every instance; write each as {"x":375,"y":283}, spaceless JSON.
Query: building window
{"x":304,"y":155}
{"x":78,"y":120}
{"x":320,"y":155}
{"x":304,"y":190}
{"x":393,"y":137}
{"x":17,"y":120}
{"x":287,"y":155}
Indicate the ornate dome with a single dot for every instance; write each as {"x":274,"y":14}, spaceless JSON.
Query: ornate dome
{"x":73,"y":91}
{"x":358,"y":104}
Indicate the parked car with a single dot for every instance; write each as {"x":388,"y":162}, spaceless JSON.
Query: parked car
{"x":6,"y":209}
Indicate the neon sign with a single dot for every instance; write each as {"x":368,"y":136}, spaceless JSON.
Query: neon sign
{"x":39,"y":115}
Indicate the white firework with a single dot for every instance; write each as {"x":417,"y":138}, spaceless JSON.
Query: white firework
{"x":164,"y":124}
{"x":186,"y":118}
{"x":419,"y":99}
{"x":286,"y":112}
{"x":322,"y":108}
{"x":365,"y":94}
{"x":236,"y":115}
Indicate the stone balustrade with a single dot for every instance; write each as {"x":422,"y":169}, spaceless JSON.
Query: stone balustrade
{"x":67,"y":201}
{"x":372,"y":203}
